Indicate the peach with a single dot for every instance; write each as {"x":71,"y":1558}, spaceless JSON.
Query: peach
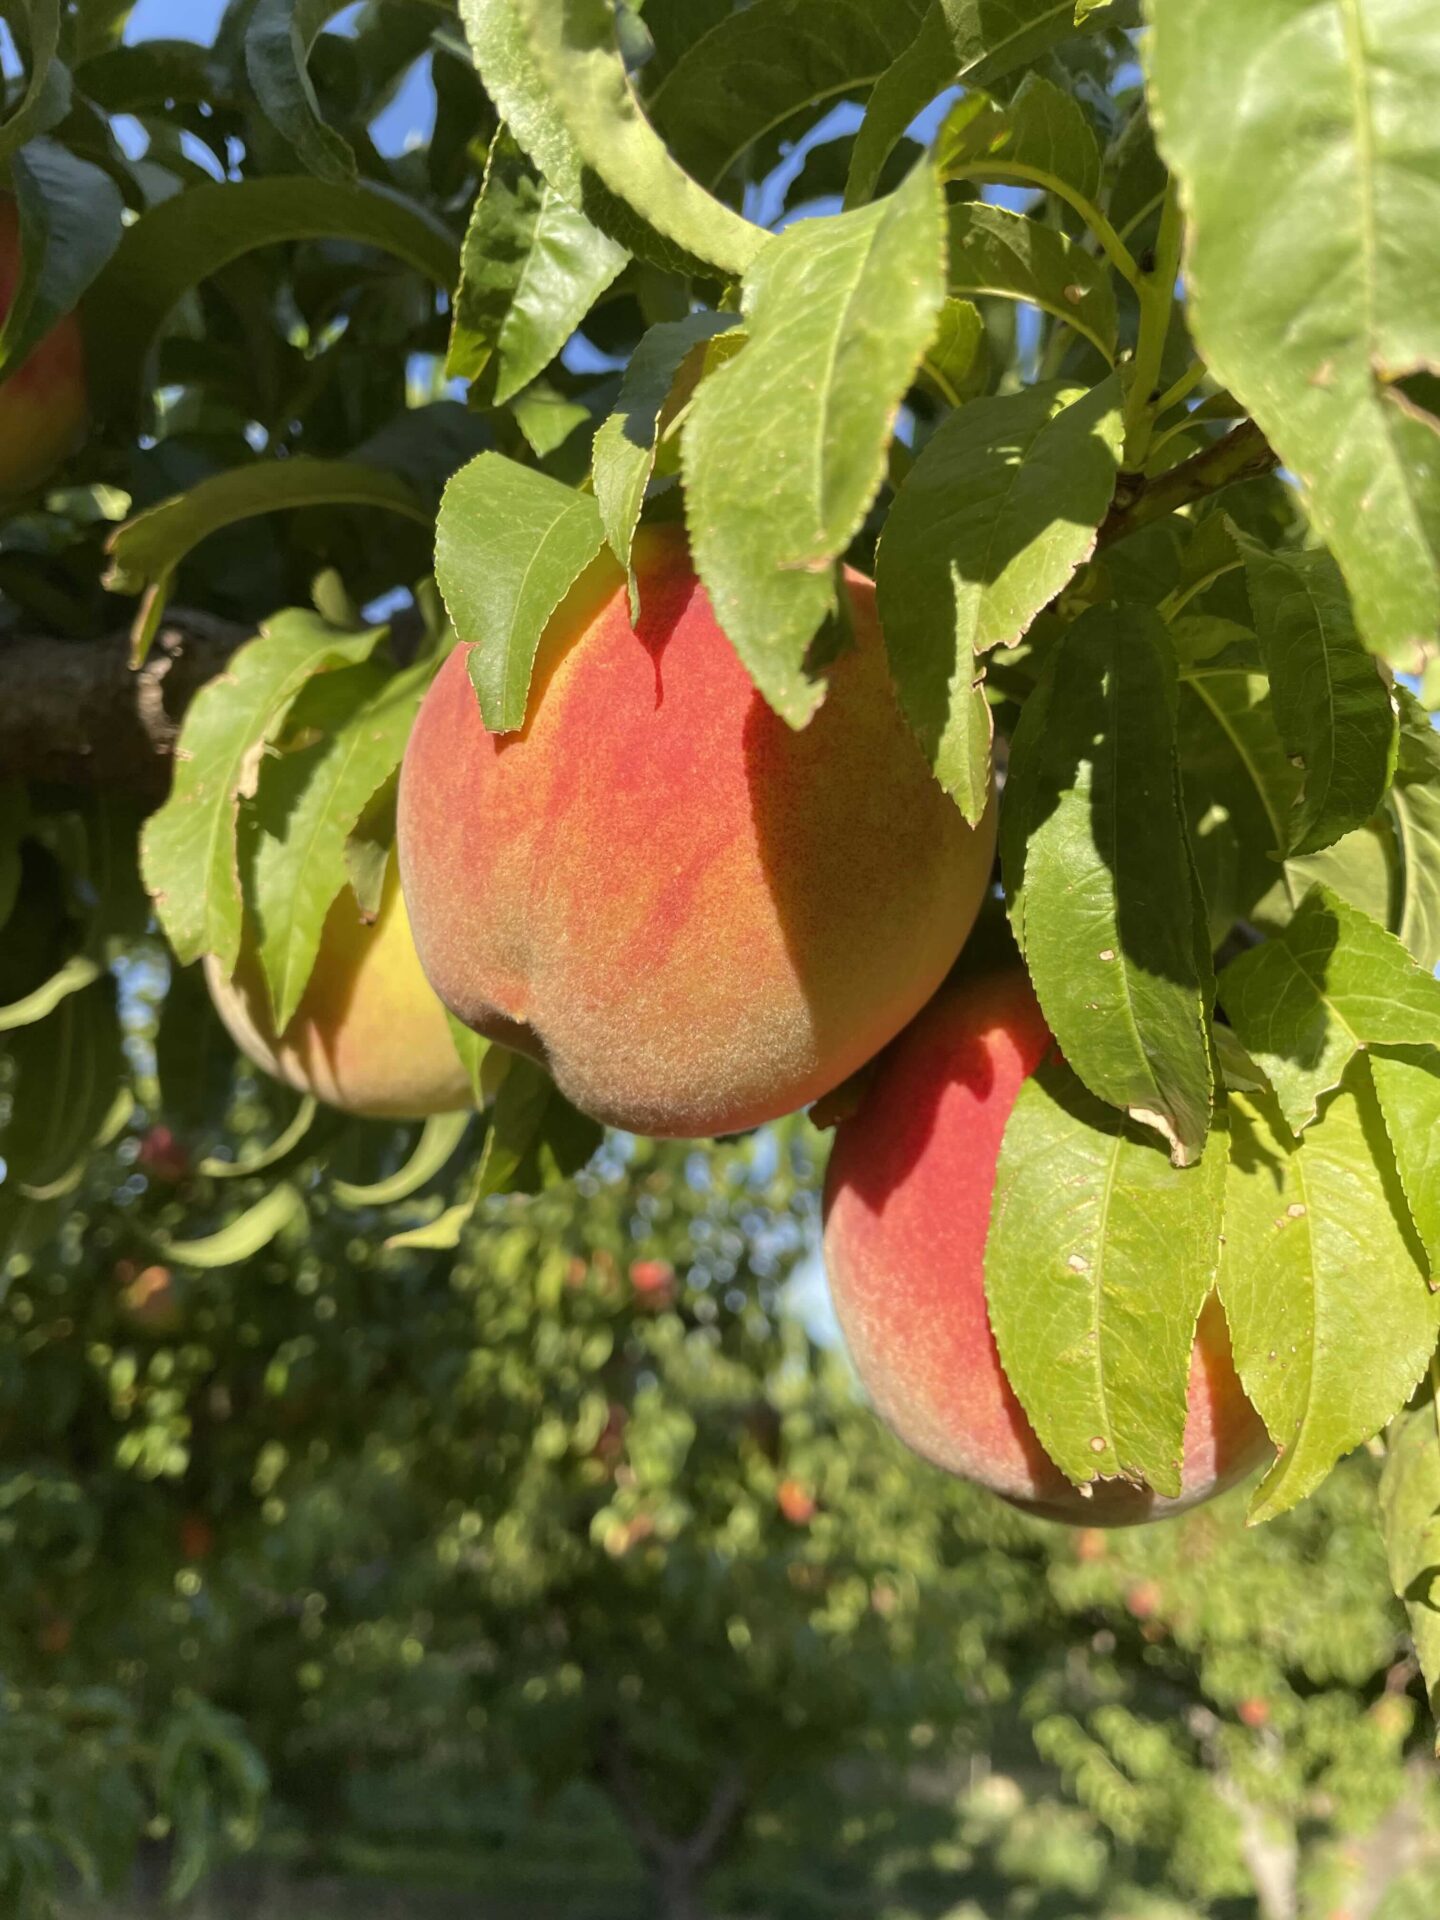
{"x":697,"y":918}
{"x":368,"y":1035}
{"x":907,"y":1211}
{"x":43,"y":403}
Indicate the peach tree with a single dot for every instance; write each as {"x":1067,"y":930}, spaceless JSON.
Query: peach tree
{"x":1106,"y":344}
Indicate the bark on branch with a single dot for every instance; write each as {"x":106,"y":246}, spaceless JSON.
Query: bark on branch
{"x":1242,"y":454}
{"x":74,"y":711}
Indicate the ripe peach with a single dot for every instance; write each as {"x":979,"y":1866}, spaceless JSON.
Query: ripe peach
{"x":43,"y":403}
{"x":907,"y":1210}
{"x":368,"y":1036}
{"x":697,"y":918}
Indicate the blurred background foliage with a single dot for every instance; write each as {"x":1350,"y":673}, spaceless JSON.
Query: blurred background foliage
{"x":564,"y":1575}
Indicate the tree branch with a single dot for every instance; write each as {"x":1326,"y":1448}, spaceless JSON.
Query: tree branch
{"x":1242,"y":454}
{"x":75,"y":712}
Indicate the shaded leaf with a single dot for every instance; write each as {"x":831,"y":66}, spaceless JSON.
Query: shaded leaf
{"x":67,"y":1072}
{"x":956,"y":359}
{"x":1308,"y":999}
{"x":1407,"y":1084}
{"x":531,"y":269}
{"x":46,"y":98}
{"x":510,"y":545}
{"x":438,"y":1139}
{"x":1098,"y":874}
{"x":1410,"y":1518}
{"x":1099,"y":1258}
{"x":1041,"y":137}
{"x":1333,"y":709}
{"x":69,"y":228}
{"x":994,"y":518}
{"x":1414,"y":806}
{"x":1331,"y":1321}
{"x":785,"y":447}
{"x":997,"y":252}
{"x":277,"y":53}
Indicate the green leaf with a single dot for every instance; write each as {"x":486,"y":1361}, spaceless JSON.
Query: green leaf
{"x":994,"y":518}
{"x":756,"y":69}
{"x":1407,"y":1085}
{"x":188,"y":849}
{"x":145,"y":552}
{"x":1410,"y":1517}
{"x":69,"y":227}
{"x":266,"y":1159}
{"x":1331,"y":1321}
{"x":67,"y":1072}
{"x":439,"y":1137}
{"x":510,"y":545}
{"x":184,"y":240}
{"x":1333,"y":709}
{"x":241,"y":1238}
{"x":46,"y":99}
{"x":955,"y":361}
{"x":785,"y":447}
{"x":1309,"y":295}
{"x":572,"y":43}
{"x":972,"y":42}
{"x":1098,"y":874}
{"x":472,"y":1052}
{"x":531,"y":269}
{"x":1099,"y":1258}
{"x":623,"y":457}
{"x":1041,"y":138}
{"x":78,"y":971}
{"x":308,"y":802}
{"x":1306,"y":1001}
{"x":1414,"y":807}
{"x":277,"y":53}
{"x":996,"y":252}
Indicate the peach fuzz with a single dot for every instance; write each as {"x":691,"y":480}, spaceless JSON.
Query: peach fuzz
{"x":696,"y":917}
{"x":368,"y":1035}
{"x":43,"y":403}
{"x":907,"y":1211}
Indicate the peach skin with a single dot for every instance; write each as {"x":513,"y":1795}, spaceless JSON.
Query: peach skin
{"x":43,"y":403}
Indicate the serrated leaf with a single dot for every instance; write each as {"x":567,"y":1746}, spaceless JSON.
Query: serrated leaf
{"x":509,"y":546}
{"x":241,"y":1238}
{"x":307,"y":804}
{"x":145,"y":552}
{"x":1098,"y":875}
{"x":1410,"y":1518}
{"x":69,"y":228}
{"x":1308,"y":999}
{"x":956,"y":358}
{"x":278,"y":41}
{"x":993,"y":251}
{"x":1239,"y":788}
{"x":623,"y":457}
{"x":755,"y":69}
{"x":531,"y":269}
{"x":183,"y":240}
{"x":972,"y":42}
{"x":1414,"y":807}
{"x":1099,"y":1258}
{"x":1331,"y":1321}
{"x":1333,"y":709}
{"x":994,"y":518}
{"x":1040,"y":138}
{"x":188,"y":849}
{"x":1407,"y":1085}
{"x":439,"y":1137}
{"x":572,"y":44}
{"x":1339,"y":125}
{"x":785,"y":447}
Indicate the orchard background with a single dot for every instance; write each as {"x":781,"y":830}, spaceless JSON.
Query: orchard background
{"x":479,"y":1514}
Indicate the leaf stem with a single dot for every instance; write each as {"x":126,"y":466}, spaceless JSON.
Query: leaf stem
{"x":1179,"y":389}
{"x":1156,"y":292}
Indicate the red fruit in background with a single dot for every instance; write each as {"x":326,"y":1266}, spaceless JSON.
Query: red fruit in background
{"x":162,"y":1156}
{"x":197,"y":1537}
{"x":907,"y":1210}
{"x":148,"y":1297}
{"x":796,"y":1502}
{"x":654,"y":1282}
{"x":43,"y":403}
